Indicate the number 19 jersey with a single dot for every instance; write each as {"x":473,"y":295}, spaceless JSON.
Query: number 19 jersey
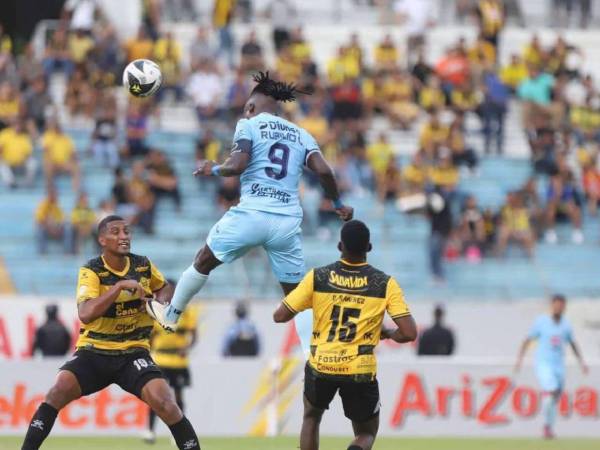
{"x":278,"y":151}
{"x":348,"y":303}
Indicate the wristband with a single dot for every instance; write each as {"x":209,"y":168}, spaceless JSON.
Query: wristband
{"x":215,"y":171}
{"x":337,"y":204}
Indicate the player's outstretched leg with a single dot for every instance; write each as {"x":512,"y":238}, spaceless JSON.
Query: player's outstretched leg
{"x":364,"y":434}
{"x":189,"y":284}
{"x":309,"y":436}
{"x":65,"y":390}
{"x":159,"y":396}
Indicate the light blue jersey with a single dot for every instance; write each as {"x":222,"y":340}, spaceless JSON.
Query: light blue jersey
{"x":552,"y":338}
{"x":269,"y":213}
{"x":550,"y":354}
{"x":278,"y":152}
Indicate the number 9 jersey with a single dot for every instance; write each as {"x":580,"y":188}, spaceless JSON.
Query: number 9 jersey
{"x":278,"y":152}
{"x":348,"y":303}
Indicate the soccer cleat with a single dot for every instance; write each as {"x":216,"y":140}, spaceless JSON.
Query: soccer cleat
{"x":577,"y":237}
{"x":551,"y":237}
{"x":149,"y":436}
{"x":548,"y":433}
{"x":157,"y":311}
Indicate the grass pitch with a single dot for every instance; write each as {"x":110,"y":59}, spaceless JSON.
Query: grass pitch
{"x":291,"y":443}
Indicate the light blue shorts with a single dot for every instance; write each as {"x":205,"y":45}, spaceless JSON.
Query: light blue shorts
{"x":304,"y":327}
{"x":239,"y":230}
{"x":551,"y":378}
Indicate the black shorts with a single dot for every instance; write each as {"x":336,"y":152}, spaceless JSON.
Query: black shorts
{"x":177,"y":378}
{"x":95,"y":371}
{"x":360,"y":399}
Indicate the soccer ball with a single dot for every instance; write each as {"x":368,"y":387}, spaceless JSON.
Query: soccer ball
{"x":142,"y":77}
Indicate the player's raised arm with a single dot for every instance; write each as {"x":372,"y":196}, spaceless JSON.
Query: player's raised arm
{"x":317,"y":164}
{"x":232,"y":167}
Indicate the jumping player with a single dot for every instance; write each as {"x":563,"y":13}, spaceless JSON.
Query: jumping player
{"x":113,"y":344}
{"x":552,"y":333}
{"x":348,"y":300}
{"x":269,"y":153}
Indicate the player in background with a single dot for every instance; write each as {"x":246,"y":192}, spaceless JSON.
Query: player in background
{"x":113,"y":344}
{"x":552,"y":332}
{"x":170,"y":352}
{"x":269,"y":153}
{"x":348,"y":299}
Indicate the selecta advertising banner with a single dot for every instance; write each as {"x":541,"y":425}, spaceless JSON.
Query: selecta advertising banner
{"x":474,"y":393}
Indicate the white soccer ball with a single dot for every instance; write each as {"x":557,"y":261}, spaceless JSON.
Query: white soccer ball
{"x":142,"y":77}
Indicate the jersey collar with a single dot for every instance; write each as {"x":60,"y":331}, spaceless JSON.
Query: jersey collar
{"x":353,"y":264}
{"x":116,"y":272}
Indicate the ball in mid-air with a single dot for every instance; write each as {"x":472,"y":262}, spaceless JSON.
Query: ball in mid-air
{"x":142,"y":77}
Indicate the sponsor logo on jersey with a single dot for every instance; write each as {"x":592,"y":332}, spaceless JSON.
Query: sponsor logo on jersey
{"x":141,"y":269}
{"x":348,"y":282}
{"x":266,"y":191}
{"x":277,"y":131}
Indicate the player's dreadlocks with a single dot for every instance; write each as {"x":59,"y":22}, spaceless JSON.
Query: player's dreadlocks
{"x":280,"y":91}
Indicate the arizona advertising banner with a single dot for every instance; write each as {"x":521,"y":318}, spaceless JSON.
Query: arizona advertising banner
{"x":263,"y":397}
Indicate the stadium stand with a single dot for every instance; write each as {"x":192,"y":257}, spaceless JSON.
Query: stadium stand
{"x":400,"y":240}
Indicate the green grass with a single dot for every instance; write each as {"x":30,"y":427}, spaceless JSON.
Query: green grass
{"x":291,"y":443}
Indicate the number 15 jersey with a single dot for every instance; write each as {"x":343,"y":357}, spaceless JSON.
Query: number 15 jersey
{"x":348,"y":303}
{"x":278,"y":151}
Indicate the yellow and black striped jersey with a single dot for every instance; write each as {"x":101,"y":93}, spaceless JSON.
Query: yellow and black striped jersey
{"x":125,"y":325}
{"x":171,"y":350}
{"x":348,"y":303}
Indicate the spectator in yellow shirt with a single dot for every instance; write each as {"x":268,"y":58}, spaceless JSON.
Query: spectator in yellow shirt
{"x":139,"y":47}
{"x":482,"y":56}
{"x":414,"y":175}
{"x":431,"y":96}
{"x":79,"y":45}
{"x":49,"y":219}
{"x":379,"y":154}
{"x":354,"y":51}
{"x":59,"y":155}
{"x":10,"y":104}
{"x":399,"y":99}
{"x":444,"y":173}
{"x":514,"y":72}
{"x":386,"y":54}
{"x":534,"y":54}
{"x":433,"y":135}
{"x":16,"y":149}
{"x":515,"y":225}
{"x":223,"y":12}
{"x":167,"y":54}
{"x":316,"y":124}
{"x":83,"y":223}
{"x":464,"y":98}
{"x":342,"y":67}
{"x":461,"y":154}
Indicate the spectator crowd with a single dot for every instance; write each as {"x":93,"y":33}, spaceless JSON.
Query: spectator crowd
{"x":448,"y":103}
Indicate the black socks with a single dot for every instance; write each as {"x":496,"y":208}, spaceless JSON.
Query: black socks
{"x":355,"y":447}
{"x":39,"y":427}
{"x":184,"y":435}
